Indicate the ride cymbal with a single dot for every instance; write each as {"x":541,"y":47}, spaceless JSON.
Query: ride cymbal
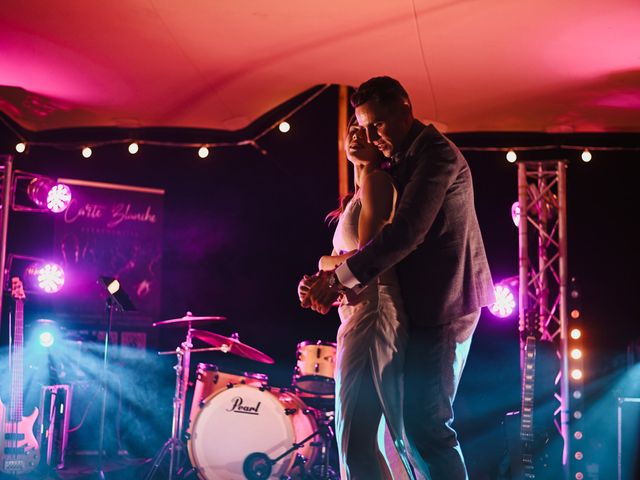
{"x":232,"y":345}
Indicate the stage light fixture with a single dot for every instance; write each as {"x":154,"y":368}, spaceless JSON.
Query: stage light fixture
{"x":133,"y":148}
{"x":86,"y":152}
{"x":284,"y":127}
{"x":578,"y":456}
{"x":45,"y":332}
{"x":576,"y":354}
{"x":21,"y":147}
{"x":575,"y":313}
{"x":577,"y":414}
{"x":505,"y":303}
{"x":586,"y":155}
{"x":578,"y":435}
{"x":46,"y":339}
{"x":515,"y":213}
{"x":45,"y":192}
{"x":577,"y":394}
{"x":576,"y":374}
{"x":48,"y":277}
{"x":511,"y":156}
{"x":203,"y":152}
{"x":579,"y":476}
{"x":576,"y":333}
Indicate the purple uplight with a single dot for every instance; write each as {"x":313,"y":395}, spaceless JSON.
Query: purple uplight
{"x":505,"y":302}
{"x":515,"y":213}
{"x":50,"y":277}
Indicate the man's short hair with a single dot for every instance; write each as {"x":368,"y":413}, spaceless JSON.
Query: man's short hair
{"x":384,"y":90}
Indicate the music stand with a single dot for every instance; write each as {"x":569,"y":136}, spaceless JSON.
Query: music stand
{"x":118,"y":298}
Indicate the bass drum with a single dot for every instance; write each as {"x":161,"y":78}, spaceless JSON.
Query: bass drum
{"x":237,"y":422}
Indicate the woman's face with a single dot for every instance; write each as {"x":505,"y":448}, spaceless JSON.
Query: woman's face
{"x":357,"y":148}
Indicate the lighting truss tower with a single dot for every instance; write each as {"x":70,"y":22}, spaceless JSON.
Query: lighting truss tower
{"x":543,"y":276}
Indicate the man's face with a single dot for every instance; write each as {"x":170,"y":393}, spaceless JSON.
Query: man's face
{"x":385,"y":126}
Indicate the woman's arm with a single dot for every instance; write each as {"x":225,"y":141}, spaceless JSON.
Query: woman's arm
{"x":331,"y":262}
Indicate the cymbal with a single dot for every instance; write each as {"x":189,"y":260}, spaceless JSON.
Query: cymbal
{"x":232,"y":345}
{"x":189,"y":318}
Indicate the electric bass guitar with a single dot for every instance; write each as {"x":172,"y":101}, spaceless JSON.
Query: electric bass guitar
{"x":19,"y":449}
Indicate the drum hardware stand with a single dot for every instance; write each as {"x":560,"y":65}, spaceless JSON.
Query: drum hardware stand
{"x":258,"y":465}
{"x":175,"y":446}
{"x":323,"y":470}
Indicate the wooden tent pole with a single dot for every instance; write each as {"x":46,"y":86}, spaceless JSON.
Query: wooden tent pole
{"x":343,"y":164}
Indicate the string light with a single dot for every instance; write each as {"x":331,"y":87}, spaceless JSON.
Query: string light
{"x":284,"y":127}
{"x":203,"y":152}
{"x":86,"y":152}
{"x":21,"y":147}
{"x":133,"y":148}
{"x":586,"y":155}
{"x":511,"y":156}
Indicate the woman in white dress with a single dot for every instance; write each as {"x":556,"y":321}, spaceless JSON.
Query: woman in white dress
{"x":372,"y":335}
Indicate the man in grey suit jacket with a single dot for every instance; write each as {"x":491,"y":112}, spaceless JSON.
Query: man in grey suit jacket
{"x":435,"y":244}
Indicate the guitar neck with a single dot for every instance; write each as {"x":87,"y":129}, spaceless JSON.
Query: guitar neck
{"x":528,"y":383}
{"x":16,"y":406}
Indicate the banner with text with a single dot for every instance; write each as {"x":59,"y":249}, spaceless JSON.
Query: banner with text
{"x":115,"y":231}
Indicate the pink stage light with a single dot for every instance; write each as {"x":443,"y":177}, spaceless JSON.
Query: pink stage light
{"x":505,"y":302}
{"x":45,"y":192}
{"x":515,"y":213}
{"x":58,"y":198}
{"x":49,"y":277}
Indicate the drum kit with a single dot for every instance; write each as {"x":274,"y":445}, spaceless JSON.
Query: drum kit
{"x":240,"y":426}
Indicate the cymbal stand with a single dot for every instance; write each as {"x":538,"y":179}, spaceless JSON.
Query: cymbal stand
{"x":175,"y":446}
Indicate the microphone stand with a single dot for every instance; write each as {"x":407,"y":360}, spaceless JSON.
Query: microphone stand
{"x":105,"y":368}
{"x":116,"y":297}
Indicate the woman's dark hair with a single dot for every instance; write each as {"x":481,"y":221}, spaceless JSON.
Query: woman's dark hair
{"x":334,"y":215}
{"x":384,"y":90}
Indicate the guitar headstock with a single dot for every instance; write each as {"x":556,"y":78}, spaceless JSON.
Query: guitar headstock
{"x":17,"y":289}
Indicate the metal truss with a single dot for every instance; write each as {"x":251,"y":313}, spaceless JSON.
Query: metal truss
{"x":543,"y":275}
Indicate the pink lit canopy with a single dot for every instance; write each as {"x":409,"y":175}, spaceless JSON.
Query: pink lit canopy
{"x":492,"y":65}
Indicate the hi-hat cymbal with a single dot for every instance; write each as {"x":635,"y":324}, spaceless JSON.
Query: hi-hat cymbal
{"x":189,"y":318}
{"x":232,"y":345}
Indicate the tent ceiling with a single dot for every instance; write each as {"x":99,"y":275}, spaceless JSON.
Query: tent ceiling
{"x":493,"y":65}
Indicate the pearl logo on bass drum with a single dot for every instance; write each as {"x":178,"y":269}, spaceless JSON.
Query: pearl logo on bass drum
{"x":238,"y":406}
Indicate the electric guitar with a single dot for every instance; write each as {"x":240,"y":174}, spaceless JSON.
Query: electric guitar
{"x":19,"y":449}
{"x":538,"y":455}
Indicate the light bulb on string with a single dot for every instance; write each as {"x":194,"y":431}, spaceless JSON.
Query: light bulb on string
{"x":203,"y":152}
{"x":511,"y":156}
{"x":133,"y":148}
{"x":21,"y":147}
{"x":586,"y":155}
{"x":87,"y":152}
{"x":284,"y":127}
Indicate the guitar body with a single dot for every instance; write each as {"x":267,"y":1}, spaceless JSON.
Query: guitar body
{"x":20,"y":452}
{"x":540,"y":459}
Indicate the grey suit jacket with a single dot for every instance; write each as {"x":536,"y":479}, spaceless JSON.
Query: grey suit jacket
{"x":434,"y":240}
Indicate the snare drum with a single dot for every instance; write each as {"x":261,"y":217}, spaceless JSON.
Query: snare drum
{"x":243,"y":420}
{"x":211,"y":379}
{"x":315,"y":368}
